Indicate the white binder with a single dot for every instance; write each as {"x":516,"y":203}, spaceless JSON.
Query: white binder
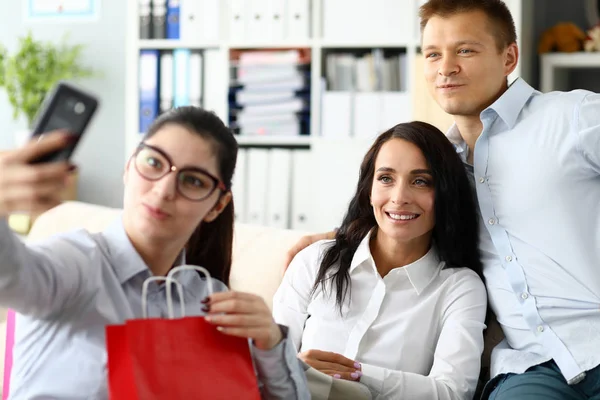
{"x":238,"y":19}
{"x":367,"y":114}
{"x":211,"y":18}
{"x":277,"y":21}
{"x":257,"y":186}
{"x":303,"y":193}
{"x":338,"y":176}
{"x":336,"y":115}
{"x":238,"y":187}
{"x":190,"y":20}
{"x":298,"y":19}
{"x":215,"y":79}
{"x":278,"y":196}
{"x":395,"y":109}
{"x":196,"y":79}
{"x":166,"y":81}
{"x":258,"y":28}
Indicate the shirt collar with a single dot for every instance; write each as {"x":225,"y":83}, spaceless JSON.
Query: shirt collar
{"x":420,"y":272}
{"x":508,"y":107}
{"x":362,"y":253}
{"x":125,"y":259}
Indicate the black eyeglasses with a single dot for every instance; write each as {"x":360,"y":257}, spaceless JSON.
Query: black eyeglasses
{"x":193,"y":183}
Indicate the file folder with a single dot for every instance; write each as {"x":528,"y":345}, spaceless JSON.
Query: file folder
{"x":166,"y":81}
{"x":148,"y":87}
{"x":181,"y":66}
{"x":159,"y":19}
{"x":173,"y":21}
{"x":145,"y":16}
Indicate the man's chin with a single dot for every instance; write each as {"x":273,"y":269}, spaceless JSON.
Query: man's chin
{"x":456,"y":110}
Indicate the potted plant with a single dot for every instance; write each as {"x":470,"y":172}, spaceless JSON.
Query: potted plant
{"x":27,"y":76}
{"x":34,"y":69}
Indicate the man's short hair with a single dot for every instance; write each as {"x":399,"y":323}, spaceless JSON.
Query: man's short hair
{"x":502,"y":23}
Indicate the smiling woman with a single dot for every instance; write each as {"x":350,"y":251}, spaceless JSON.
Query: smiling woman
{"x":395,"y":301}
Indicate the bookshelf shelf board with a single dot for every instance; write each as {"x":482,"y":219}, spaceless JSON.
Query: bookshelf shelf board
{"x":166,"y":44}
{"x":273,"y":140}
{"x":271,"y":45}
{"x":357,"y":45}
{"x":572,"y":60}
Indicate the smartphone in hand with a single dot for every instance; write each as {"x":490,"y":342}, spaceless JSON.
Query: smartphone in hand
{"x":66,"y":108}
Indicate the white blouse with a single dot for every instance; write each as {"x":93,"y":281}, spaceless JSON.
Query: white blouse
{"x":418,"y":332}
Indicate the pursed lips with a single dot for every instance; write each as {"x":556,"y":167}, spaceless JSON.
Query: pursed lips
{"x":157,"y":211}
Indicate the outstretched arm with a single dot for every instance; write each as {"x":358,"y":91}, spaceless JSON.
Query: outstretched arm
{"x":45,"y":279}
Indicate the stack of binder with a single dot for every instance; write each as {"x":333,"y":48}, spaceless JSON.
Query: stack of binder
{"x":371,"y":71}
{"x":267,"y":21}
{"x":367,"y":93}
{"x":269,"y":93}
{"x":271,"y":187}
{"x":180,"y":19}
{"x":167,"y":79}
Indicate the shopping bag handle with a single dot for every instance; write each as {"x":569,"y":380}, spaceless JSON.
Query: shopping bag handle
{"x":169,"y":280}
{"x":184,"y":267}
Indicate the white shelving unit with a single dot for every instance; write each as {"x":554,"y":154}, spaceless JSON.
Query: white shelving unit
{"x":334,"y":162}
{"x":555,"y":67}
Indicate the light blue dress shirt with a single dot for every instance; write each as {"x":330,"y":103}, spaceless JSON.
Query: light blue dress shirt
{"x":537,"y":177}
{"x":66,"y":289}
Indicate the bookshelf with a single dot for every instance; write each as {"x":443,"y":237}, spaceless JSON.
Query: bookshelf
{"x":330,"y":158}
{"x":555,"y":67}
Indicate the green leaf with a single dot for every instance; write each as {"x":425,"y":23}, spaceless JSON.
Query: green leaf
{"x":35,"y":69}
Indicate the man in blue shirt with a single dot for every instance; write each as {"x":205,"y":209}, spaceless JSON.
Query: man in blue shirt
{"x":535,"y":163}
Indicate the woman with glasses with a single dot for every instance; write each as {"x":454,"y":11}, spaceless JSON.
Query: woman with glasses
{"x":177,"y":209}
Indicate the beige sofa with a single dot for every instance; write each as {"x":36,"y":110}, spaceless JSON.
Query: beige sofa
{"x":258,"y":252}
{"x":258,"y":255}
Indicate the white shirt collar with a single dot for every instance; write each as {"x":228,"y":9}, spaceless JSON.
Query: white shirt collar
{"x":420,"y":272}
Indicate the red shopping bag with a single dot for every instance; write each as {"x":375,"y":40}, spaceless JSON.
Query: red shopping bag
{"x":180,"y":358}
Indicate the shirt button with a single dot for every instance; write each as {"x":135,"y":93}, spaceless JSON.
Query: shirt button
{"x":491,"y":221}
{"x":524,"y":296}
{"x":508,"y":258}
{"x":540,"y":329}
{"x":481,"y":180}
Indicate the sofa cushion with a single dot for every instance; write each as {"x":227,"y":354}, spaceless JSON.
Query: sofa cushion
{"x":259,"y":255}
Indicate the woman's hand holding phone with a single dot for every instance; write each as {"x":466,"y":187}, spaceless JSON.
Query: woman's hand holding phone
{"x":33,"y":188}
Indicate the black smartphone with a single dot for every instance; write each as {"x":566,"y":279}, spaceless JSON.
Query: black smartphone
{"x":67,"y":108}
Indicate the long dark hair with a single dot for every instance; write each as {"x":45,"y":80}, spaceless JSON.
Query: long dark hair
{"x":211,"y":243}
{"x":456,"y":230}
